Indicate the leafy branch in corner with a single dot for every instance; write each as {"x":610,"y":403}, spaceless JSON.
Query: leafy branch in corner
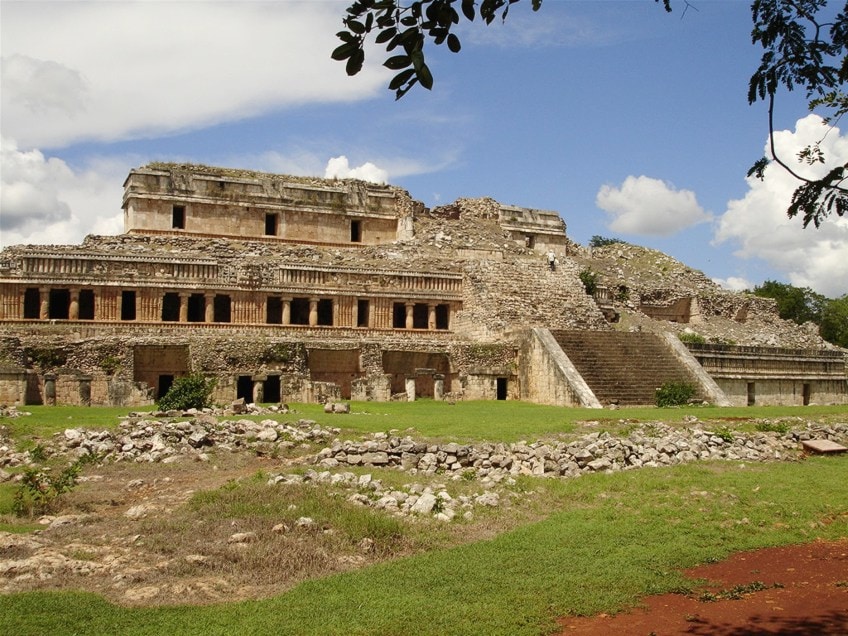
{"x":800,"y":50}
{"x":405,"y":27}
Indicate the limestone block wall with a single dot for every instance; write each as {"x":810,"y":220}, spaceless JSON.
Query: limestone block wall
{"x":500,"y":296}
{"x":180,"y":198}
{"x":783,"y":392}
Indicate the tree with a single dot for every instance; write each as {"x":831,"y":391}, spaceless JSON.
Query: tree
{"x":834,"y":321}
{"x":797,"y":304}
{"x":800,"y":48}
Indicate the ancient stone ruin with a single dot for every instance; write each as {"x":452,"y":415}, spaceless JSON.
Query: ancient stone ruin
{"x":296,"y":289}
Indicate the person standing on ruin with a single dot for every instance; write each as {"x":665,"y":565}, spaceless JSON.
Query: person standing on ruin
{"x":552,"y":259}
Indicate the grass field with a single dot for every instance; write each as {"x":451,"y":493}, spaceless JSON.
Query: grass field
{"x":596,"y":544}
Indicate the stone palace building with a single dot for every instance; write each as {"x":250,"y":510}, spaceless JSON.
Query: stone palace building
{"x":303,"y":289}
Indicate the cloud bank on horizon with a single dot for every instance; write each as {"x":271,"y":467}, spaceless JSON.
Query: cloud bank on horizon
{"x":80,"y":83}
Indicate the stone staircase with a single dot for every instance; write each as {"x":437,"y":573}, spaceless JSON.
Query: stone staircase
{"x":622,"y":368}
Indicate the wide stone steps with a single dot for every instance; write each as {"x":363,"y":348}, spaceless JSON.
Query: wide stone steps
{"x":622,"y":368}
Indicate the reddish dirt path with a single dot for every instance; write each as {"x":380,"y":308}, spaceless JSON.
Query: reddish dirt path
{"x":811,"y":599}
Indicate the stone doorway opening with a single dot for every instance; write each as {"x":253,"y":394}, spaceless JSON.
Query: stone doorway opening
{"x":502,"y":388}
{"x":244,"y":388}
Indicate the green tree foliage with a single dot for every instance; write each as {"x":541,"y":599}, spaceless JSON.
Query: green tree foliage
{"x":601,"y":241}
{"x":192,"y":391}
{"x":804,"y":45}
{"x":834,"y":321}
{"x":793,"y":303}
{"x":802,"y":48}
{"x":589,"y":280}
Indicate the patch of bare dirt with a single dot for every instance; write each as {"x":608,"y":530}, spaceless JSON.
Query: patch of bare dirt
{"x":793,"y":590}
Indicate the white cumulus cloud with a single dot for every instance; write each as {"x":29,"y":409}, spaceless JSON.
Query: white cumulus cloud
{"x":734,"y":283}
{"x":120,"y":70}
{"x":44,"y":200}
{"x":815,"y":258}
{"x":339,"y":168}
{"x":650,"y":207}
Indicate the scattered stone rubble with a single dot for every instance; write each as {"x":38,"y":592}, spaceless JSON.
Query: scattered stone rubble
{"x":141,"y":439}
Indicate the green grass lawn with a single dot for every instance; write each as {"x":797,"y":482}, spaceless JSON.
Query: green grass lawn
{"x":608,"y":540}
{"x":603,"y":542}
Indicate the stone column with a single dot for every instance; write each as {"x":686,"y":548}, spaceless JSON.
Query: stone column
{"x":73,"y":307}
{"x":438,"y":386}
{"x":209,"y":307}
{"x":184,"y":307}
{"x":431,"y":316}
{"x":410,"y":321}
{"x":313,"y":312}
{"x":50,"y":389}
{"x":410,"y":388}
{"x":287,"y":311}
{"x":259,"y":388}
{"x":44,"y":298}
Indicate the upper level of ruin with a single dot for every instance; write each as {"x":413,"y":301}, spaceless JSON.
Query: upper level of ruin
{"x":184,"y":199}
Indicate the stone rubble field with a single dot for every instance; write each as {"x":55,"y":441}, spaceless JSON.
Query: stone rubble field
{"x":305,"y":454}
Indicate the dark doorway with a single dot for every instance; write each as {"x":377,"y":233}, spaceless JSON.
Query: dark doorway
{"x":271,"y":389}
{"x":178,"y":217}
{"x":244,"y":388}
{"x":274,"y":311}
{"x":127,"y":305}
{"x":325,"y":312}
{"x":300,"y":311}
{"x":86,"y":304}
{"x":171,"y":307}
{"x":752,"y":394}
{"x":270,"y":225}
{"x":399,"y":316}
{"x":223,"y":308}
{"x":420,"y":316}
{"x":196,"y":308}
{"x":32,"y":303}
{"x":356,"y":231}
{"x":501,"y":388}
{"x":60,"y":301}
{"x":164,"y":385}
{"x":362,"y":308}
{"x":807,"y":394}
{"x":442,"y":316}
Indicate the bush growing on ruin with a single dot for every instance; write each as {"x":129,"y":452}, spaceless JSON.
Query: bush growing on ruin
{"x":690,"y":337}
{"x":589,"y":280}
{"x":192,"y":391}
{"x":674,"y":394}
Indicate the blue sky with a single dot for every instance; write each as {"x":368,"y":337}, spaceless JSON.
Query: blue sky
{"x":628,"y":121}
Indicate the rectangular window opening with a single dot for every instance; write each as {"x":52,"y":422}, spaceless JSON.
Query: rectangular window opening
{"x":325,"y":312}
{"x":399,"y":316}
{"x":178,"y":217}
{"x":197,"y":308}
{"x":86,"y":304}
{"x":222,"y":308}
{"x":300,"y":311}
{"x":32,"y":303}
{"x":127,"y":305}
{"x":60,"y":303}
{"x":442,"y":316}
{"x":171,"y":307}
{"x":274,"y":311}
{"x":362,"y":308}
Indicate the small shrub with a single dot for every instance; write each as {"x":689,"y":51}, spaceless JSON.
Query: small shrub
{"x":724,"y":433}
{"x":192,"y":391}
{"x":688,"y":337}
{"x":772,"y":427}
{"x":674,"y":394}
{"x":39,"y":489}
{"x":589,"y":280}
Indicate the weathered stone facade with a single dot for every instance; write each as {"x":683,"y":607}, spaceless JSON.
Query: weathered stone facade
{"x":294,"y":289}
